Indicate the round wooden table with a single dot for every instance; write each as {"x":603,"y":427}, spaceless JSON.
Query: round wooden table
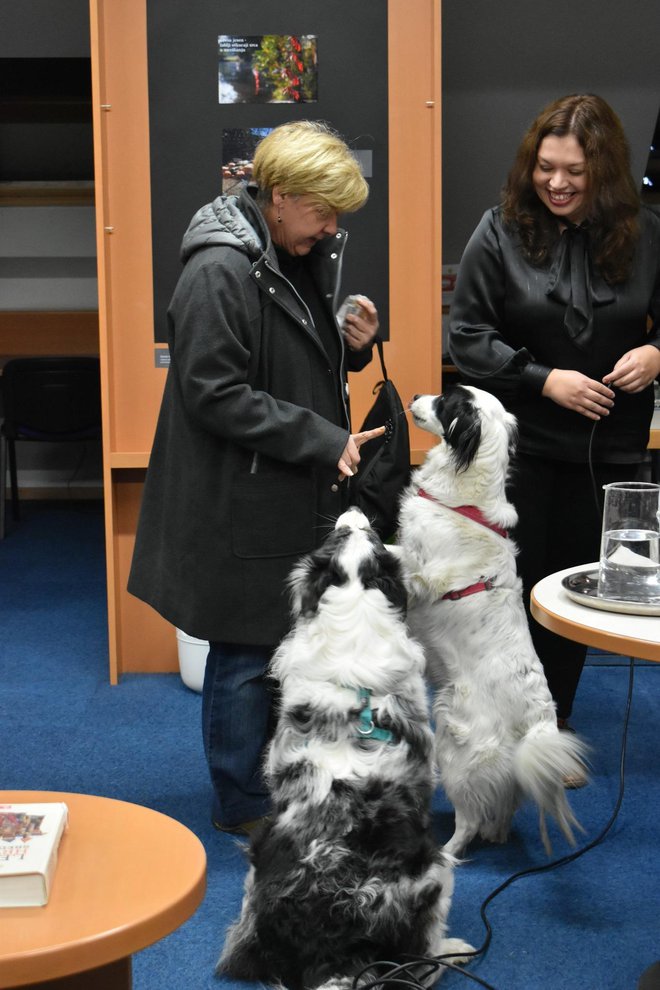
{"x":627,"y":635}
{"x":126,"y":876}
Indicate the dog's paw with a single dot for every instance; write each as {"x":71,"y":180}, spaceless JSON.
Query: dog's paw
{"x":461,"y":952}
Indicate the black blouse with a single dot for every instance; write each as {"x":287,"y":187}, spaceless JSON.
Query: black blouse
{"x":511,"y":323}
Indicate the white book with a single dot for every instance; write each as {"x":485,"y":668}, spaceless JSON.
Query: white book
{"x":29,"y":840}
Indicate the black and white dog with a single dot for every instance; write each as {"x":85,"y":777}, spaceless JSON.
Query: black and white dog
{"x":497,"y":739}
{"x":346,"y":872}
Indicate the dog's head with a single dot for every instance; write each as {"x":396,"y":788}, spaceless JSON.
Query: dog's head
{"x":353,"y":552}
{"x":467,"y":419}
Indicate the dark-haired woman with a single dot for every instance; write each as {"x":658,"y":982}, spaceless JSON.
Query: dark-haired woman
{"x":556,"y":311}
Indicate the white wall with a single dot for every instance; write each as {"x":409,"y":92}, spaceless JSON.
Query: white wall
{"x":47,"y":258}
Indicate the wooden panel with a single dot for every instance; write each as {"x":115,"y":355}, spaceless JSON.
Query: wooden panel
{"x":25,"y":333}
{"x":145,"y":642}
{"x":413,"y":354}
{"x":121,"y":130}
{"x":139,"y":639}
{"x":47,"y":193}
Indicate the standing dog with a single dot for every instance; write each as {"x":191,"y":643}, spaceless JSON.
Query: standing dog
{"x":497,"y":739}
{"x":346,"y":872}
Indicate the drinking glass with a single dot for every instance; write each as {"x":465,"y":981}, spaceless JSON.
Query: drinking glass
{"x":630,"y":544}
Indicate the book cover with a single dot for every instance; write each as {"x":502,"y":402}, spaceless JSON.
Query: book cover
{"x":29,"y":840}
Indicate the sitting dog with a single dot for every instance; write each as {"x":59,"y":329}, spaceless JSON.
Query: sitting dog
{"x":345,"y":873}
{"x":497,"y":739}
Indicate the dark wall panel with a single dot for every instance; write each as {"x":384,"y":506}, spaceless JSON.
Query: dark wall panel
{"x":502,"y":62}
{"x":187,"y":121}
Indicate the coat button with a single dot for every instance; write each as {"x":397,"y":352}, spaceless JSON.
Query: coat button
{"x":334,"y":488}
{"x":272,"y":290}
{"x":257,"y":274}
{"x":304,"y":322}
{"x":334,"y":256}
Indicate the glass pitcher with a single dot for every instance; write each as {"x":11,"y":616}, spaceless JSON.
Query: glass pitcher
{"x":630,"y":543}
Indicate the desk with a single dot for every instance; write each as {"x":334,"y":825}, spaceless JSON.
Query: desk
{"x":126,"y":876}
{"x":628,"y":635}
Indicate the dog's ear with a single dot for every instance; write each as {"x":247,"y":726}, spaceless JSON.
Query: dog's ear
{"x":461,"y":424}
{"x":465,"y":439}
{"x":383,"y":572}
{"x":463,"y":433}
{"x":314,"y":574}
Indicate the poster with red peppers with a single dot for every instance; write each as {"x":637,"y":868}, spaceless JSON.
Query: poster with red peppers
{"x":267,"y":68}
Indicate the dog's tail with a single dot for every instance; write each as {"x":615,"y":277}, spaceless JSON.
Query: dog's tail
{"x":545,"y":759}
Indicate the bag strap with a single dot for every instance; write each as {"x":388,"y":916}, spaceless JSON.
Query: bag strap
{"x":379,"y":345}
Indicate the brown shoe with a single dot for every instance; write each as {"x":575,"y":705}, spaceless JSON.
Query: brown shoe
{"x":245,"y":828}
{"x":573,"y":781}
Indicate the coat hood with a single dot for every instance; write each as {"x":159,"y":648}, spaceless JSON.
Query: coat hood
{"x":230,"y":220}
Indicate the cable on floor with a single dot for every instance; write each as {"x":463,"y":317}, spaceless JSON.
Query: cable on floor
{"x":401,"y":975}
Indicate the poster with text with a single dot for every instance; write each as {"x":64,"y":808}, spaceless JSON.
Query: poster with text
{"x":267,"y":68}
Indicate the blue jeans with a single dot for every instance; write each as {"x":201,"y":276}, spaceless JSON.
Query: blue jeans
{"x":237,"y":719}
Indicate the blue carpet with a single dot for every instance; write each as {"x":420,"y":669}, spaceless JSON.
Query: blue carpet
{"x":593,"y":924}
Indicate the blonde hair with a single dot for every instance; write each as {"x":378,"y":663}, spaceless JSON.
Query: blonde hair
{"x":308,"y":158}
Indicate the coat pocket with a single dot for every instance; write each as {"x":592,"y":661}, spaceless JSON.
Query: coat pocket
{"x":272,"y":516}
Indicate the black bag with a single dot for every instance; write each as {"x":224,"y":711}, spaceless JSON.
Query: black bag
{"x":384,"y":469}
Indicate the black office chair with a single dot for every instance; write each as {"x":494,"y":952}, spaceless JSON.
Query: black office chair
{"x":55,"y":399}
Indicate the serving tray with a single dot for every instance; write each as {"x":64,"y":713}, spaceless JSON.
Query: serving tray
{"x":582,"y":587}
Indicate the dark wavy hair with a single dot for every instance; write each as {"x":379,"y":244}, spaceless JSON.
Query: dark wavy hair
{"x":613,"y":201}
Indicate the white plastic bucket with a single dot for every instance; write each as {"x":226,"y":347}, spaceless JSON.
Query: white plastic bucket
{"x":192,"y":659}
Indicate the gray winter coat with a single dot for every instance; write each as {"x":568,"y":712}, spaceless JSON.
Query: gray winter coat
{"x":243,"y":474}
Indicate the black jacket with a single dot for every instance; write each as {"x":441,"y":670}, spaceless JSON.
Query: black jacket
{"x":507,"y":333}
{"x":243,"y":474}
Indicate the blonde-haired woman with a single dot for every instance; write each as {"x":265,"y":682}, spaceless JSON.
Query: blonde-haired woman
{"x":253,"y":450}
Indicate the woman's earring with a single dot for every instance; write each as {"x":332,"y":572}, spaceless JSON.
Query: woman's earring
{"x":279,"y":218}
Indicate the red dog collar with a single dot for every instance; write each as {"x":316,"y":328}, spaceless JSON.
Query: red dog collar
{"x":472,"y":589}
{"x":470,"y":511}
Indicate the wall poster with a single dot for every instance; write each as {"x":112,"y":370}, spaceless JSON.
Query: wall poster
{"x":222,"y":75}
{"x":267,"y":68}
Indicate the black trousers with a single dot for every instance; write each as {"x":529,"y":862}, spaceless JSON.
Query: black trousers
{"x":559,"y":525}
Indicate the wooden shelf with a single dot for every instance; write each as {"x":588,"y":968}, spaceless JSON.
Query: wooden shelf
{"x":27,"y":332}
{"x":47,"y":193}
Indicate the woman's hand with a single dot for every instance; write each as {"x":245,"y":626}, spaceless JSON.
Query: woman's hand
{"x":573,"y":390}
{"x":636,"y":369}
{"x":360,"y":329}
{"x":350,"y":458}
